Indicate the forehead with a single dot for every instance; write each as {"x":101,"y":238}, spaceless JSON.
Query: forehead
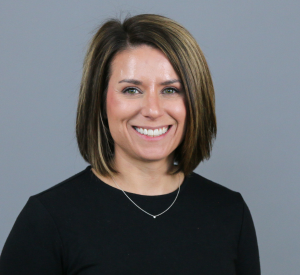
{"x":142,"y":62}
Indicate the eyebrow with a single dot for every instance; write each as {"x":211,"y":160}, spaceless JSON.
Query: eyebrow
{"x":168,"y":82}
{"x":132,"y":81}
{"x":137,"y":82}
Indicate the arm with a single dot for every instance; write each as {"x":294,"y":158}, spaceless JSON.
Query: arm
{"x":248,"y":256}
{"x":33,"y":245}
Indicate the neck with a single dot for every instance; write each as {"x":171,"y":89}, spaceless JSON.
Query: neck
{"x":144,"y":177}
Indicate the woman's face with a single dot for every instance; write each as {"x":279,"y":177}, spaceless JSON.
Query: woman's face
{"x":145,"y":105}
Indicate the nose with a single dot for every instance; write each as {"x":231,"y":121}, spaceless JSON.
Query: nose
{"x":152,"y":105}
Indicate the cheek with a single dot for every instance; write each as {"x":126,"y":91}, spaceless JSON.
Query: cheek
{"x":115,"y":106}
{"x":112,"y":112}
{"x":110,"y":103}
{"x":179,"y":112}
{"x":119,"y":109}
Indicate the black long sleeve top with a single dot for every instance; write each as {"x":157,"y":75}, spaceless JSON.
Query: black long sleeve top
{"x":84,"y":226}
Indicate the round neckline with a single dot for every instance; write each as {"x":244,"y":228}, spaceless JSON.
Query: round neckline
{"x":183,"y":184}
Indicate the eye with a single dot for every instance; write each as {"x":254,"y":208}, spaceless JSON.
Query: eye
{"x":170,"y":91}
{"x":131,"y":91}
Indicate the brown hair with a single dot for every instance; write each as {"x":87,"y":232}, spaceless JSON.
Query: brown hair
{"x":94,"y":139}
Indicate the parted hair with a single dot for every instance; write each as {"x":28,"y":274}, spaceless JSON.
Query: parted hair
{"x":94,"y":140}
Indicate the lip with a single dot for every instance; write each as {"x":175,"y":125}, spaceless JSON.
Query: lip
{"x":151,"y":128}
{"x":152,"y":138}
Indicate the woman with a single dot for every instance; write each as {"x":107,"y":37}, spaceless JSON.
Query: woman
{"x":145,"y":120}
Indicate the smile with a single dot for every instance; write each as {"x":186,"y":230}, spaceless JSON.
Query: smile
{"x":152,"y":132}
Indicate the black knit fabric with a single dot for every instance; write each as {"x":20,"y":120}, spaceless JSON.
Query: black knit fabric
{"x":86,"y":227}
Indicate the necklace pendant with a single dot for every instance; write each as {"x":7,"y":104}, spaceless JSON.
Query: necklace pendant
{"x":154,"y":217}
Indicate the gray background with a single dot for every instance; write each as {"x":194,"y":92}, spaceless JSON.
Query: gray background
{"x":252,"y":48}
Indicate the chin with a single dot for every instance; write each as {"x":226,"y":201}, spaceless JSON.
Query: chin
{"x":153,"y":157}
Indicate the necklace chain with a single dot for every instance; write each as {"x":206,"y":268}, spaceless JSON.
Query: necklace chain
{"x":154,"y":216}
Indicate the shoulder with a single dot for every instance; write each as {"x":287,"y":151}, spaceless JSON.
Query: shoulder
{"x":213,"y":193}
{"x":72,"y":183}
{"x":210,"y":187}
{"x":64,"y":196}
{"x":219,"y":204}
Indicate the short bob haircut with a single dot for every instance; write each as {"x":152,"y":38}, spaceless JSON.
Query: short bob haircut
{"x":94,"y":139}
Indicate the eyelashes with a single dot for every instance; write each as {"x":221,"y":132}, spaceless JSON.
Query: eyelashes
{"x":133,"y":91}
{"x":170,"y":91}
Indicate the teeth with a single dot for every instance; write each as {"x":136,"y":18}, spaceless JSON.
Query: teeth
{"x":152,"y":133}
